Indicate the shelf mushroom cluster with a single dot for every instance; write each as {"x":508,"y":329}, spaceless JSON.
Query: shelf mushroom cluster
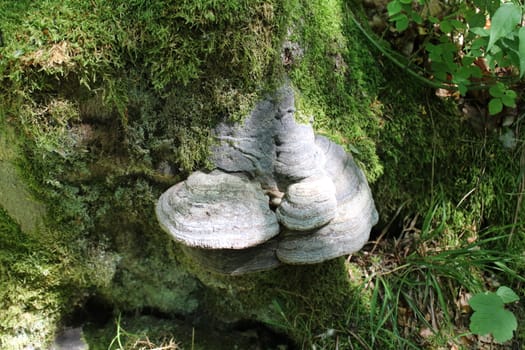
{"x":278,"y":194}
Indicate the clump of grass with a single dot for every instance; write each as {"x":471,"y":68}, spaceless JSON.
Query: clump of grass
{"x":124,"y":340}
{"x":420,"y":282}
{"x":405,"y":292}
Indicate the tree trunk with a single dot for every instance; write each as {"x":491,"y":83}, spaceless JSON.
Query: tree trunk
{"x":105,"y":105}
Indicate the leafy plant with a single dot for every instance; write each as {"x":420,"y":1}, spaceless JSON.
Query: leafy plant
{"x":426,"y":277}
{"x":469,"y":45}
{"x":490,"y":315}
{"x":501,"y":96}
{"x":400,"y":12}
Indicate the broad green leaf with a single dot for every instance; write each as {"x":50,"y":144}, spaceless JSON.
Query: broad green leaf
{"x":445,"y":26}
{"x":521,"y":50}
{"x":497,"y":90}
{"x":508,"y":101}
{"x":416,"y":18}
{"x":406,"y":1}
{"x":480,"y":31}
{"x":498,"y":321}
{"x":495,"y":56}
{"x":478,"y":47}
{"x":495,"y":106}
{"x":476,"y":20}
{"x":463,"y":88}
{"x":402,"y":23}
{"x":511,"y":93}
{"x":434,"y":52}
{"x":490,"y":315}
{"x":466,"y":61}
{"x":504,"y":21}
{"x":457,"y":24}
{"x":433,"y":20}
{"x":476,"y":72}
{"x":394,"y":7}
{"x":462,"y":73}
{"x":507,"y":295}
{"x":485,"y":302}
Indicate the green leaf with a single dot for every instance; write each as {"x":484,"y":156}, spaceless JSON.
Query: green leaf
{"x":478,"y":46}
{"x":508,"y":101}
{"x":507,"y":295}
{"x":402,"y":23}
{"x":490,"y":315}
{"x":521,"y":50}
{"x":476,"y":72}
{"x":416,"y":18}
{"x":457,"y":24}
{"x":504,"y":21}
{"x":406,"y":1}
{"x":498,"y":321}
{"x":433,"y":20}
{"x":511,"y":93}
{"x":495,"y":106}
{"x":485,"y":302}
{"x":462,"y":88}
{"x":476,"y":19}
{"x":445,"y":26}
{"x":394,"y":7}
{"x":480,"y":31}
{"x":497,"y":90}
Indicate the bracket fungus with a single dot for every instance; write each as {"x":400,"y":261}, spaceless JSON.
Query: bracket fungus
{"x":278,"y":194}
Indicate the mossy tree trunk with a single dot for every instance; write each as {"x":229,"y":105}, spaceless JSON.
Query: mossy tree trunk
{"x":104,"y":105}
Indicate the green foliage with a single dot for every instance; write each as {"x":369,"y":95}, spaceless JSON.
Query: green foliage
{"x":101,"y":95}
{"x":401,"y":13}
{"x":427,"y":276}
{"x":490,"y":316}
{"x":458,"y":44}
{"x":503,"y":22}
{"x":501,"y":96}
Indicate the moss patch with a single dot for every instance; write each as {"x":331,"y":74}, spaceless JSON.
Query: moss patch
{"x":30,"y":302}
{"x":16,"y":197}
{"x":337,"y":79}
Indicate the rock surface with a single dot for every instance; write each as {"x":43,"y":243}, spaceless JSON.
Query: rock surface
{"x":70,"y":339}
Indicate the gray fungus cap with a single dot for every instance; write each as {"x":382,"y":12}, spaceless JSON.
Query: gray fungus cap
{"x":217,"y":211}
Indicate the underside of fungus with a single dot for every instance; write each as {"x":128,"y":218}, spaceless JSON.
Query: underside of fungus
{"x":278,"y":194}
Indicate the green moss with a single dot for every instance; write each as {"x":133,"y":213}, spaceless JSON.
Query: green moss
{"x":337,"y":79}
{"x":16,"y":197}
{"x":27,"y":276}
{"x":427,"y":148}
{"x":303,"y":302}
